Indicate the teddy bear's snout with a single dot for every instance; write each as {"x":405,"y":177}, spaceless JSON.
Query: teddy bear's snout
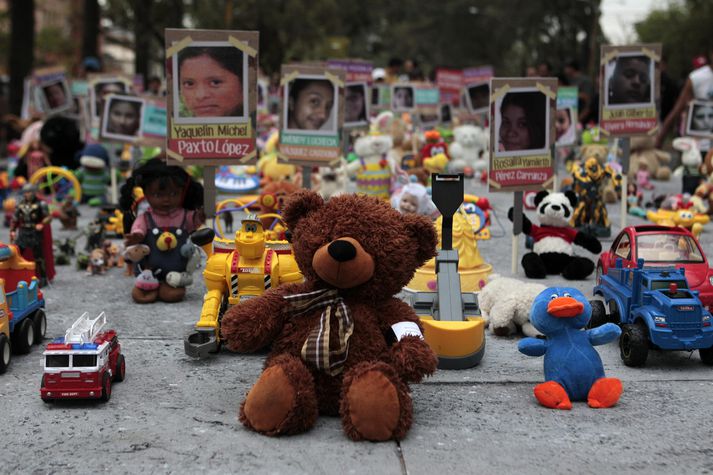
{"x":342,"y":251}
{"x":343,"y":263}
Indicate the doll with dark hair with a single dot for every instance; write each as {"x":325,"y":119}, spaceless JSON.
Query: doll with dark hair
{"x":159,"y":235}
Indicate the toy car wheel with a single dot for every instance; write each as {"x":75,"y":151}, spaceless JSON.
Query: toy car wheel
{"x":120,"y":371}
{"x":106,"y":388}
{"x":5,"y":353}
{"x":634,"y":344}
{"x":599,"y":314}
{"x":706,"y":355}
{"x":39,"y":320}
{"x":614,"y":315}
{"x":24,"y":337}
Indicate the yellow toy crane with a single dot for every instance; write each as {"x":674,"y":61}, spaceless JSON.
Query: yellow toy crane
{"x":252,"y":266}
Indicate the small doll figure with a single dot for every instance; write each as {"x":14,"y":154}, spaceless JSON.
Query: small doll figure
{"x":633,"y":201}
{"x":643,"y":177}
{"x":175,"y":211}
{"x":29,"y":230}
{"x":68,"y":213}
{"x":413,"y":198}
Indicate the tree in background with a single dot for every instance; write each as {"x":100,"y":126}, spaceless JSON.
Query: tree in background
{"x":685,"y":29}
{"x":22,"y":44}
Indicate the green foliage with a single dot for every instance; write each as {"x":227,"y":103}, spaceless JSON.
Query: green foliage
{"x":684,"y":29}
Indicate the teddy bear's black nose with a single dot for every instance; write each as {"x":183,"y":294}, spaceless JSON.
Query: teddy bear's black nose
{"x":342,"y":251}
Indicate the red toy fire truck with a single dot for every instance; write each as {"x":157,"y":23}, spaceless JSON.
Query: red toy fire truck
{"x":83,"y":364}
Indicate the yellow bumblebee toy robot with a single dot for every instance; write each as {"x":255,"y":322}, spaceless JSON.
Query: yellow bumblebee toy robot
{"x":590,"y":215}
{"x":252,"y":266}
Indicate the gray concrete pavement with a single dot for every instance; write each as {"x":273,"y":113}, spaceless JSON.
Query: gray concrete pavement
{"x":174,"y":414}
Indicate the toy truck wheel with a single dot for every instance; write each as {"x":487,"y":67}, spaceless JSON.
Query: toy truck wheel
{"x":106,"y":388}
{"x":24,"y":337}
{"x":120,"y":372}
{"x":706,"y":355}
{"x":614,"y":315}
{"x":599,"y":314}
{"x":5,"y":353}
{"x":39,"y":320}
{"x":634,"y":344}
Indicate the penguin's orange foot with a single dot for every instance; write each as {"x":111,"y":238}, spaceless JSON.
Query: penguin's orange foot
{"x":605,"y":392}
{"x":553,"y":395}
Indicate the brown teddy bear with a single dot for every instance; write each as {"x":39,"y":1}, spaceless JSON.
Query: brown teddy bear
{"x":643,"y":149}
{"x":341,"y":344}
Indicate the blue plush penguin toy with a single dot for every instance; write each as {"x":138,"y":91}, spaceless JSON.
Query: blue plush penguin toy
{"x":573,"y":368}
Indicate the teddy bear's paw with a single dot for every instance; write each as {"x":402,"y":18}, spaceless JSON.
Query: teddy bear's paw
{"x":504,"y":330}
{"x":167,"y":293}
{"x":605,"y":392}
{"x":413,"y":359}
{"x":144,"y":296}
{"x":282,"y":401}
{"x":553,"y":395}
{"x":375,"y":404}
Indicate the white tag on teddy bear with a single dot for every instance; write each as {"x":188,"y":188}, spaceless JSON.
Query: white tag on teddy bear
{"x":403,"y":329}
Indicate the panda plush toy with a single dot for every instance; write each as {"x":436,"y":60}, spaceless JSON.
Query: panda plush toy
{"x":554,"y":239}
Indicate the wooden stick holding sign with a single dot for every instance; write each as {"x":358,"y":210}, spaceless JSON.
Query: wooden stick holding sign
{"x":521,"y":159}
{"x":625,"y":159}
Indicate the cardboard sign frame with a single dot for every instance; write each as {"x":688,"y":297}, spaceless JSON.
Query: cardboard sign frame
{"x":110,"y":135}
{"x":699,"y":107}
{"x":200,"y":138}
{"x":308,"y":147}
{"x":528,"y":169}
{"x":622,"y":114}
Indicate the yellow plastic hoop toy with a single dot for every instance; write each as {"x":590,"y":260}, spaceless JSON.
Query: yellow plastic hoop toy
{"x":54,"y":183}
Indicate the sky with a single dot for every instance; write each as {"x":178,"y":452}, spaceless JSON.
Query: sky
{"x":618,"y":17}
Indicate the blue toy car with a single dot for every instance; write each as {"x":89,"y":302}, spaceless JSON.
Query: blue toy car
{"x":655,"y":309}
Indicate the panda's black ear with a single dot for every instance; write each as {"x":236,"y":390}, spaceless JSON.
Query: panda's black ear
{"x":572,"y":197}
{"x":540,"y":196}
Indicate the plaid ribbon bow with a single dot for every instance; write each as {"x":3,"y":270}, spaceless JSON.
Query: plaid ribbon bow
{"x":316,"y":349}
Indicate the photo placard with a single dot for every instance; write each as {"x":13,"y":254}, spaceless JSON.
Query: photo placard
{"x":521,"y":134}
{"x":566,"y":116}
{"x":122,"y":118}
{"x":99,"y":87}
{"x":53,"y":90}
{"x":450,"y":83}
{"x":154,"y":123}
{"x":312,"y":113}
{"x":356,"y":104}
{"x":211,"y":80}
{"x":699,"y":122}
{"x":630,"y":78}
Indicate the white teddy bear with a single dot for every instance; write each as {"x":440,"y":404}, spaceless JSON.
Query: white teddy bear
{"x":470,"y":148}
{"x":375,"y":167}
{"x":505,"y":305}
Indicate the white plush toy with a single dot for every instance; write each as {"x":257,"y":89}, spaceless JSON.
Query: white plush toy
{"x":505,"y":305}
{"x":469,"y":149}
{"x":691,"y":159}
{"x":374,"y":168}
{"x":333,"y":181}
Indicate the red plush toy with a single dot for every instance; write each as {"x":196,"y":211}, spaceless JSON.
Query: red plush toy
{"x":341,"y":344}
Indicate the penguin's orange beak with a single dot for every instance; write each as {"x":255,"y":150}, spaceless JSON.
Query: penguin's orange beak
{"x":565,"y":307}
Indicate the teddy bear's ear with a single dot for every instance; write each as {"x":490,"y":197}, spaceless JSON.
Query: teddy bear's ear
{"x":298,"y":205}
{"x":572,"y":197}
{"x":540,"y":196}
{"x":424,"y":234}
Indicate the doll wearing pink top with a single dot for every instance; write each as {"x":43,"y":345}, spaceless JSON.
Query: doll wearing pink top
{"x":175,"y":211}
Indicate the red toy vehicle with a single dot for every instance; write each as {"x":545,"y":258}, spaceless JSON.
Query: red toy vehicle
{"x":83,"y":364}
{"x":662,"y":246}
